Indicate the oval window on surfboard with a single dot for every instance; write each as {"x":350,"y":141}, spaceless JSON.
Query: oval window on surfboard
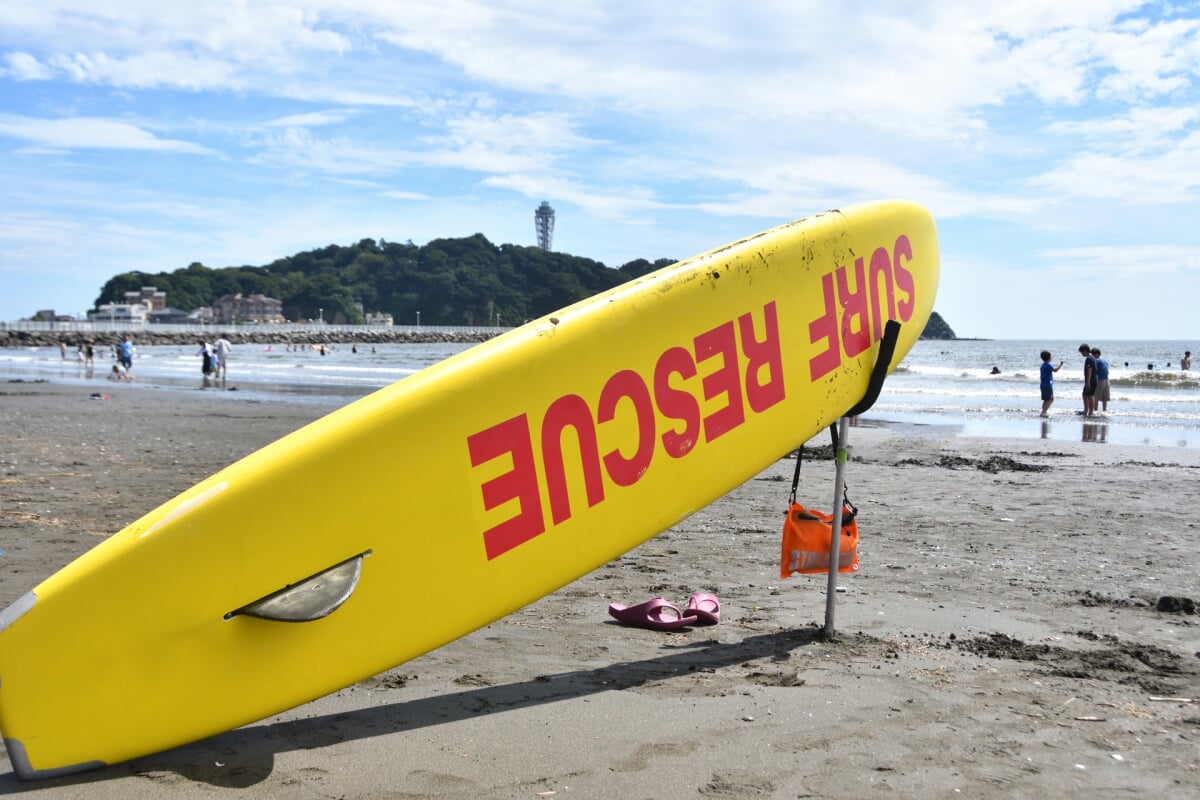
{"x":310,"y":599}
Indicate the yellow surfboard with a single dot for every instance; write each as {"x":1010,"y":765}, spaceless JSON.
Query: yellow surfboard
{"x":457,"y":495}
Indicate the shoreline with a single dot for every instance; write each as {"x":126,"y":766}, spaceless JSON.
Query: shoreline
{"x":1063,"y":425}
{"x":1002,"y":638}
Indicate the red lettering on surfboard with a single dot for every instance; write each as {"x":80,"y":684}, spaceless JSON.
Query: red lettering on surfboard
{"x":858,"y":301}
{"x":739,"y":371}
{"x":510,"y":438}
{"x":628,"y":385}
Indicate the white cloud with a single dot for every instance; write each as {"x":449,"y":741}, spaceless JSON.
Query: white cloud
{"x":298,"y":148}
{"x":545,"y":132}
{"x":1149,"y":61}
{"x":313,"y":119}
{"x":825,"y":181}
{"x":90,"y":133}
{"x":309,"y":91}
{"x":627,"y":203}
{"x":1171,"y":176}
{"x":151,"y":69}
{"x":1137,"y":262}
{"x":397,"y":194}
{"x":25,"y":67}
{"x":1140,"y":130}
{"x":222,"y":44}
{"x":35,"y":229}
{"x":926,"y":71}
{"x":474,"y":142}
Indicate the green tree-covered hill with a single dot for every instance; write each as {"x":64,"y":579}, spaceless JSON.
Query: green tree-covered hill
{"x":467,"y":281}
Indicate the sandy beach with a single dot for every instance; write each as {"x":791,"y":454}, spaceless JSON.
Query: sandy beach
{"x":1006,"y":636}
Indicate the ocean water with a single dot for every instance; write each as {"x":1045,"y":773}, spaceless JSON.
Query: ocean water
{"x":1153,"y":401}
{"x":266,"y":372}
{"x":939,"y":385}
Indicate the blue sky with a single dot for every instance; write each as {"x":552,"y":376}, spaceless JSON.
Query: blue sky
{"x":1056,"y":143}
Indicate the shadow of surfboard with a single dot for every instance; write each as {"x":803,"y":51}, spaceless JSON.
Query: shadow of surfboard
{"x":248,"y":754}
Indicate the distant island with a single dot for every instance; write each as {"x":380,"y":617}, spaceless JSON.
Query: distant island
{"x":937,"y":328}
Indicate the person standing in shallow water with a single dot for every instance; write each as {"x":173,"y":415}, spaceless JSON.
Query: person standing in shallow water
{"x":208,"y":361}
{"x":1089,"y":380}
{"x":222,"y":348}
{"x":125,"y":353}
{"x":1048,"y":370}
{"x":1102,"y":389}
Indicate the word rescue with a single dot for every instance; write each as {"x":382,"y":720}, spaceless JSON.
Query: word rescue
{"x":734,"y":369}
{"x":715,"y":358}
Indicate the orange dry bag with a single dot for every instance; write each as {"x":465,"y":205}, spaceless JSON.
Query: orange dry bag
{"x":808,"y":537}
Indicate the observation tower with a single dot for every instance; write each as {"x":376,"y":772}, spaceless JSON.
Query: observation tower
{"x":543,"y":222}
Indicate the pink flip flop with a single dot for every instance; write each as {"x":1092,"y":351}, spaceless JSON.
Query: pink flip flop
{"x":705,"y":607}
{"x":655,"y":613}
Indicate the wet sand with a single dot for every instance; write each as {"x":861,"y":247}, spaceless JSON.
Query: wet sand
{"x":1002,"y":639}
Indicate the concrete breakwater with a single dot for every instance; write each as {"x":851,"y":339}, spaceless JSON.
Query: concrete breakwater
{"x":21,"y":338}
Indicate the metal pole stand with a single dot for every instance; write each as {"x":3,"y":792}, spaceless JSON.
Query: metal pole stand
{"x":835,"y":547}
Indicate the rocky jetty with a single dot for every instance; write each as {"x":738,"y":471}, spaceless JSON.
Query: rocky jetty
{"x":143,"y":336}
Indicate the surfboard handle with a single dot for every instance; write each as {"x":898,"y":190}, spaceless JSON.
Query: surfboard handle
{"x":310,"y":599}
{"x":887,"y":351}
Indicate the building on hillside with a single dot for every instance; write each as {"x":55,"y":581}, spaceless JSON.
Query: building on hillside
{"x":255,"y":308}
{"x":149,"y":296}
{"x":169,"y":316}
{"x":120,"y":313}
{"x":380,"y":318}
